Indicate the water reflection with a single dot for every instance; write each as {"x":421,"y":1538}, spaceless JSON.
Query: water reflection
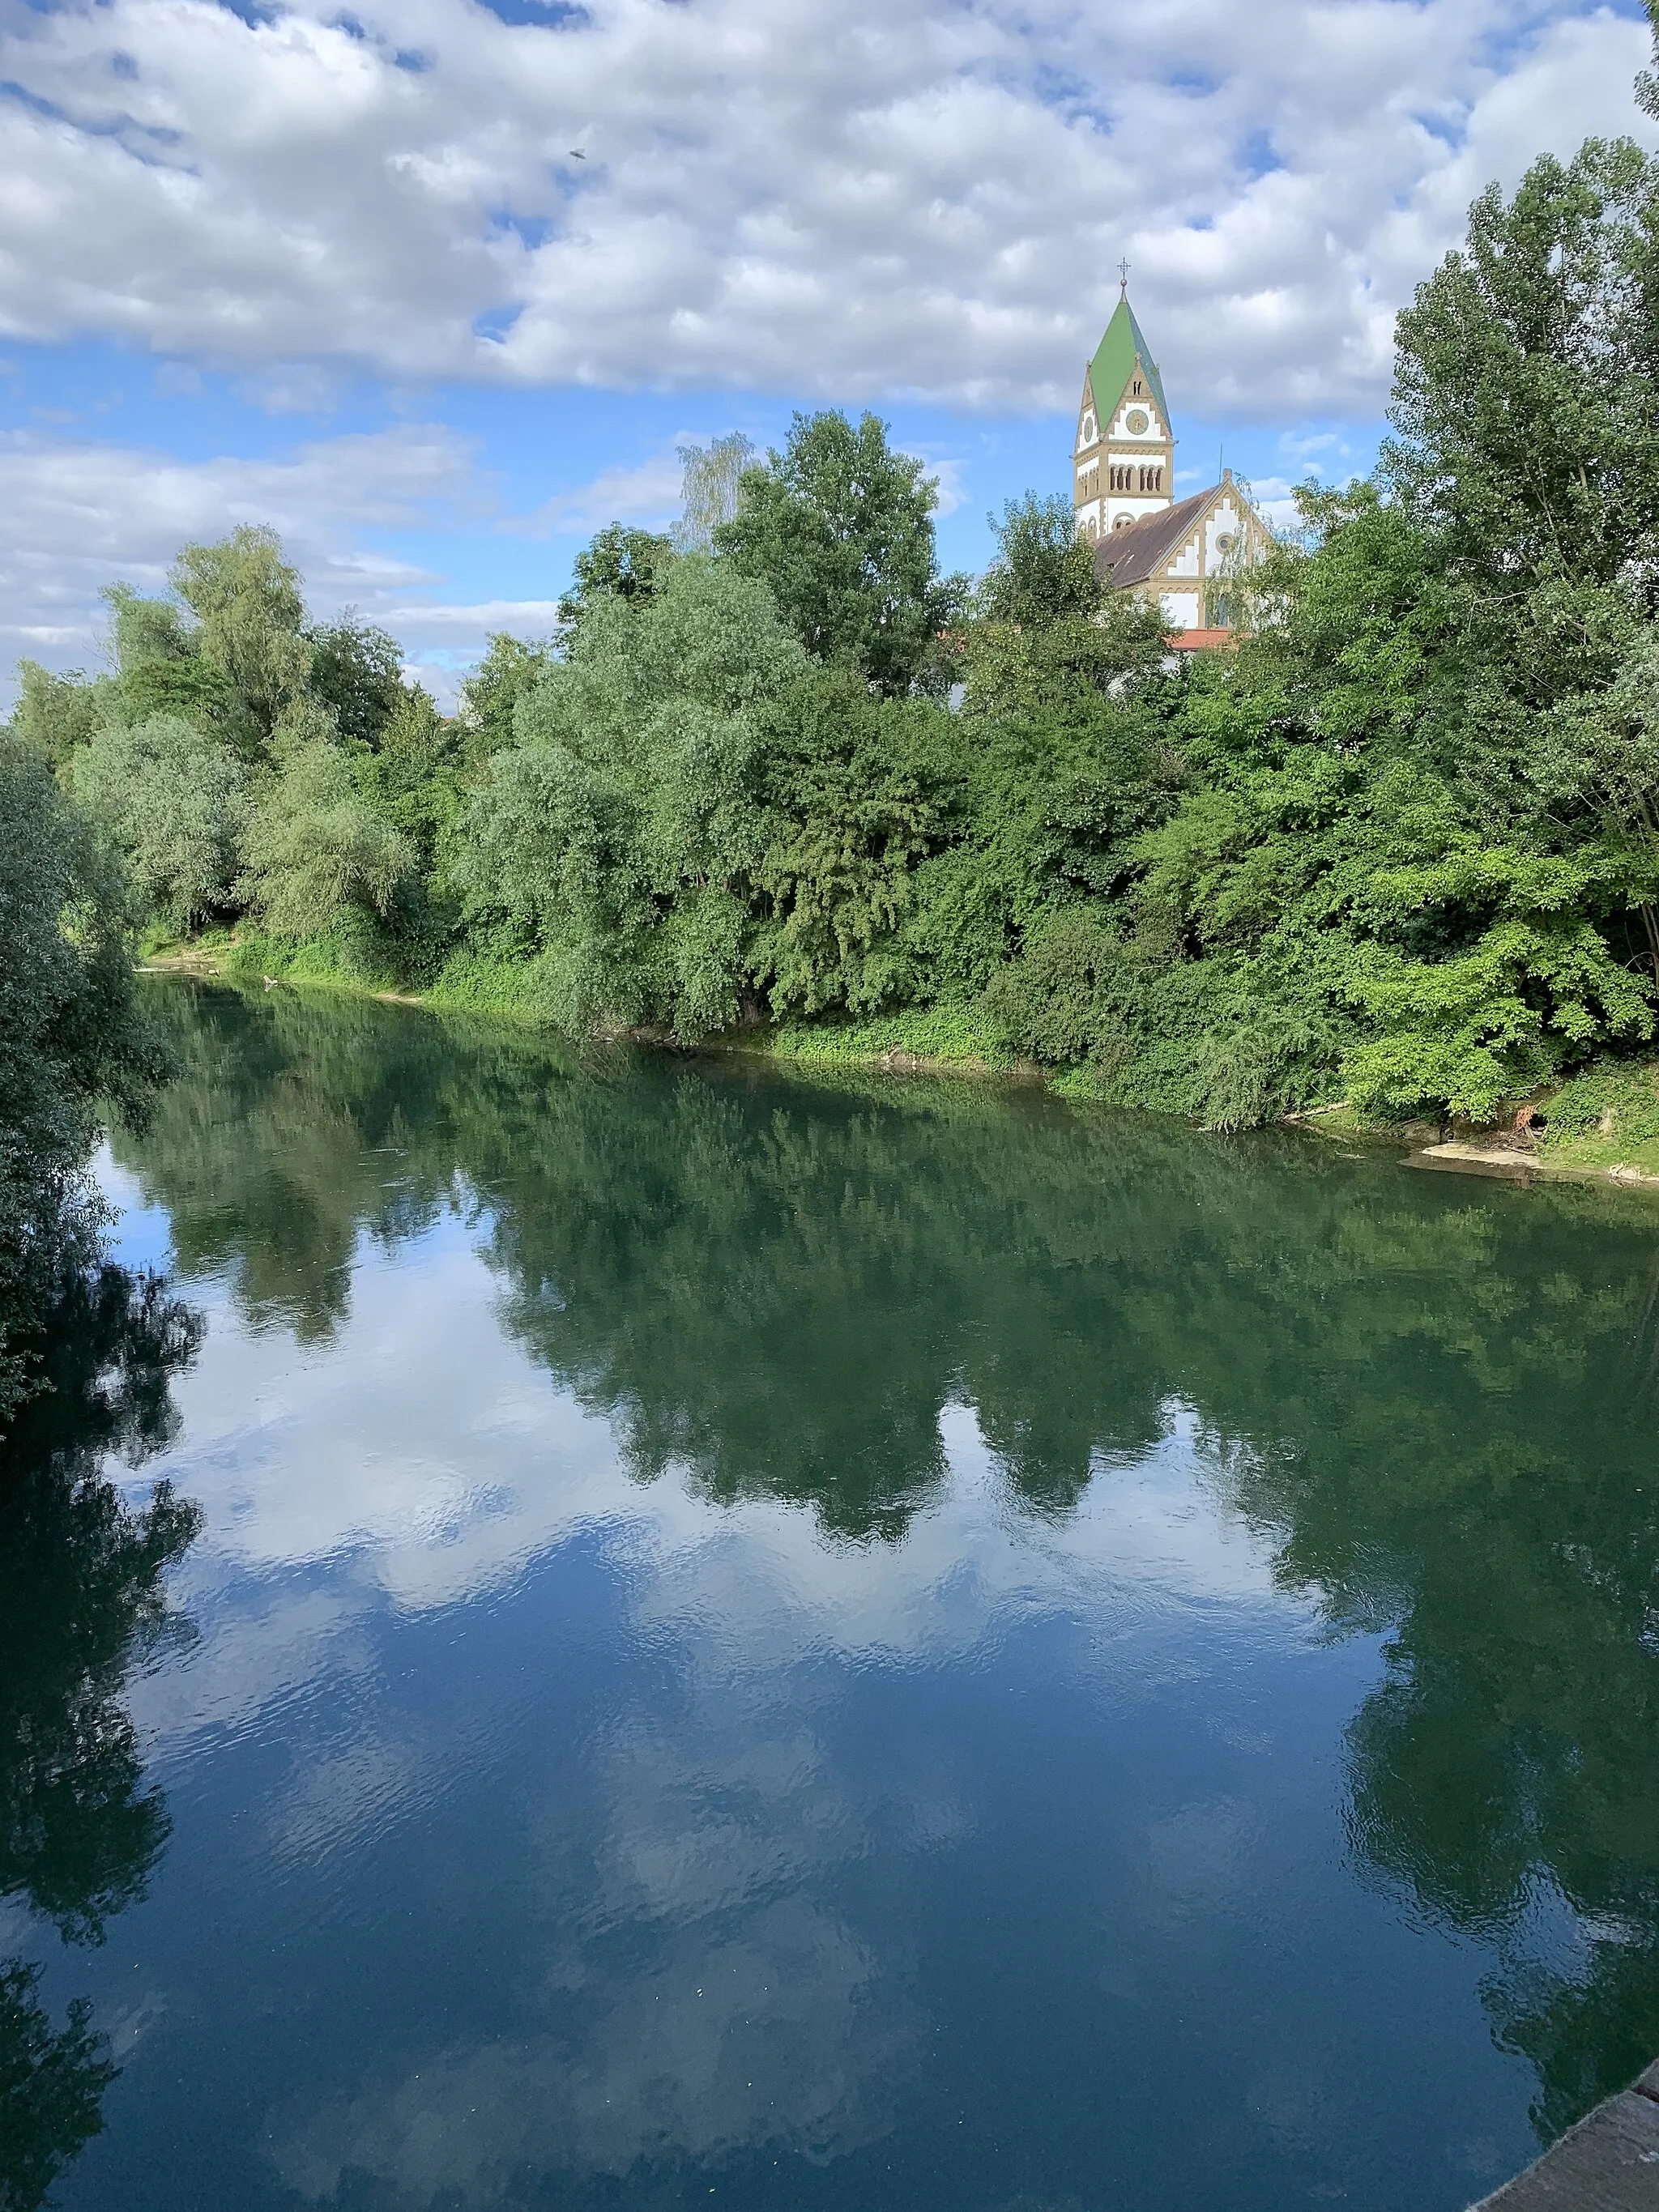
{"x":82,"y":1603}
{"x":1430,"y":1404}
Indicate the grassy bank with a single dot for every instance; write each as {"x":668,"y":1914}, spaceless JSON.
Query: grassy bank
{"x":1606,"y":1118}
{"x":920,"y":1040}
{"x":1603,"y":1121}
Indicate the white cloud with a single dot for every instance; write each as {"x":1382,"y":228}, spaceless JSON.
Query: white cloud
{"x":648,"y":493}
{"x":82,"y":515}
{"x":524,"y":617}
{"x":109,"y":509}
{"x":947,"y":475}
{"x":845,"y":198}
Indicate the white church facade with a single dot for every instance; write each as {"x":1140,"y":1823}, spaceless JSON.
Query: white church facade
{"x":1184,"y":555}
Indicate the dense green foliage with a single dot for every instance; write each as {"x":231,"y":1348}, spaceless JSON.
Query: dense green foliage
{"x":839,"y":528}
{"x":70,"y":1035}
{"x":1400,"y":846}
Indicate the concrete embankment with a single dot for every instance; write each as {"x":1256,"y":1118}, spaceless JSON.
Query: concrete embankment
{"x":1608,"y":2163}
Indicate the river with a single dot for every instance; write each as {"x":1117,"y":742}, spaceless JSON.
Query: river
{"x":710,"y":1639}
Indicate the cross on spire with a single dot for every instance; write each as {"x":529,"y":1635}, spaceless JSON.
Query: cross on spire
{"x":1123,"y":278}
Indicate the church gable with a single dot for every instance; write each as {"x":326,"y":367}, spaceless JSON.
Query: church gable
{"x":1189,"y":560}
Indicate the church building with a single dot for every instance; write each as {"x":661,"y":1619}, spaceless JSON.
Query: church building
{"x":1184,"y":555}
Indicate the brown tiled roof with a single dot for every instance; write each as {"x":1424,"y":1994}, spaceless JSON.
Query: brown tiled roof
{"x":1129,"y":555}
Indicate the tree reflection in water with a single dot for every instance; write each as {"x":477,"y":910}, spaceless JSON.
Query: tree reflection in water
{"x":1434,"y":1397}
{"x":83,"y":1602}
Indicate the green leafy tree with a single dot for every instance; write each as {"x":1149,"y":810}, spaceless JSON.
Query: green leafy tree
{"x":490,"y":695}
{"x":250,"y":624}
{"x":839,"y":527}
{"x":1062,"y":759}
{"x":144,"y":631}
{"x":356,"y":671}
{"x":57,"y":712}
{"x":621,"y":563}
{"x":160,"y":671}
{"x":71,"y":1036}
{"x":1595,"y":764}
{"x":322,"y":851}
{"x":1043,"y":572}
{"x":619,"y":836}
{"x":711,"y":489}
{"x":174,"y":800}
{"x":855,"y":791}
{"x":1526,"y":370}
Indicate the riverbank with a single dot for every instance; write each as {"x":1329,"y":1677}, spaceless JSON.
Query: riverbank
{"x":926,"y":1041}
{"x":1608,"y":2163}
{"x":1600,"y":1126}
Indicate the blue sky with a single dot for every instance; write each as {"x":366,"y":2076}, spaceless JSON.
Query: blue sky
{"x":346,"y":273}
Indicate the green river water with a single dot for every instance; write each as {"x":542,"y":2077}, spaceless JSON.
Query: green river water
{"x":712,"y":1639}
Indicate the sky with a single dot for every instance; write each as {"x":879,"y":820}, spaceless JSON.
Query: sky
{"x":438,"y":288}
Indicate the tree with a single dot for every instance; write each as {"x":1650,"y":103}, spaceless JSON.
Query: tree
{"x":1525,"y":382}
{"x":356,"y":671}
{"x":174,"y":800}
{"x":490,"y":695}
{"x":71,"y":1036}
{"x":710,"y":489}
{"x":251,"y":624}
{"x":856,"y":791}
{"x":1043,"y":571}
{"x":160,"y":671}
{"x":1647,"y":83}
{"x":56,"y":713}
{"x":620,"y":563}
{"x":1061,"y":763}
{"x":839,"y":528}
{"x":321,"y":851}
{"x":617,"y":838}
{"x":240,"y":664}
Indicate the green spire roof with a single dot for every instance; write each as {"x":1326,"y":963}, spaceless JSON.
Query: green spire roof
{"x":1113,"y":363}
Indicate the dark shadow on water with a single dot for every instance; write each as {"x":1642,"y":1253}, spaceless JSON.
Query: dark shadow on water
{"x":82,"y":1603}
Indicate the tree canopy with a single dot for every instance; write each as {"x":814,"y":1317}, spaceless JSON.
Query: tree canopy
{"x":839,"y":526}
{"x":1400,"y":844}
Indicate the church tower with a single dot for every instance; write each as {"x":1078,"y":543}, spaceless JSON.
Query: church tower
{"x":1124,"y":457}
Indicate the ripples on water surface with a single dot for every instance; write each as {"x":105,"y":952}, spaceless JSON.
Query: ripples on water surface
{"x":895,"y":1645}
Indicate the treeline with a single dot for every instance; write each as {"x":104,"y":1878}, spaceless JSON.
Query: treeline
{"x":1402,"y":846}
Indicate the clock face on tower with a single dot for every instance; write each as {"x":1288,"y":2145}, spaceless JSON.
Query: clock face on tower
{"x":1136,"y":420}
